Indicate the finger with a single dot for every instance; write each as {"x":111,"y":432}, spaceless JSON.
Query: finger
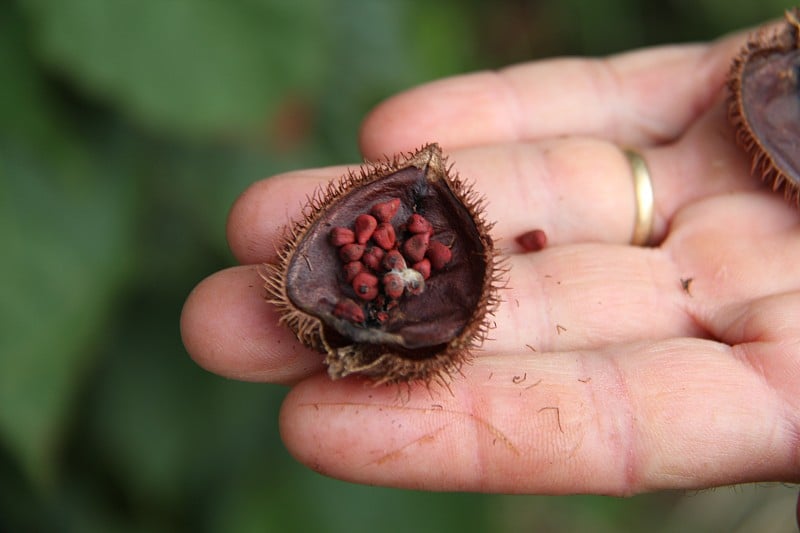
{"x":229,"y":329}
{"x":264,"y":212}
{"x":765,"y":334}
{"x":562,"y":299}
{"x":723,"y":253}
{"x":581,"y":190}
{"x":637,"y":98}
{"x":677,"y":414}
{"x":575,"y":189}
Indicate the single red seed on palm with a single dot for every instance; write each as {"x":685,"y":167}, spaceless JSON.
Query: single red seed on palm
{"x":342,"y":236}
{"x":393,"y":260}
{"x":351,"y":269}
{"x":365,"y":285}
{"x":439,"y":254}
{"x":372,"y":257}
{"x":364,"y":226}
{"x":532,"y":241}
{"x":423,"y":267}
{"x":393,"y":285}
{"x":418,"y":224}
{"x":385,"y":211}
{"x":348,"y":310}
{"x":415,"y":247}
{"x":351,"y":252}
{"x":384,"y":236}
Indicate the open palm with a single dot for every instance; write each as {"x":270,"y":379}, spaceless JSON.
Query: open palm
{"x":612,"y":369}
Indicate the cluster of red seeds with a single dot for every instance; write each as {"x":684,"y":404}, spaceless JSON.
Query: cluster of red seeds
{"x":376,"y":259}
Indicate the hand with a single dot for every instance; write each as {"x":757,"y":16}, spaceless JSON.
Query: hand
{"x":613,"y":369}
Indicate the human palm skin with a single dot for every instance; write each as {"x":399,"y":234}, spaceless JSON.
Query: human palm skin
{"x":612,"y":369}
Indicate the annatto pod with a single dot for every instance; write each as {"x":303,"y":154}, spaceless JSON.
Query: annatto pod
{"x":764,"y":104}
{"x":414,"y":329}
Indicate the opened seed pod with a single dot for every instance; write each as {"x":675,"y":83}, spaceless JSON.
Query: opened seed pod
{"x":391,"y":273}
{"x":764,"y":104}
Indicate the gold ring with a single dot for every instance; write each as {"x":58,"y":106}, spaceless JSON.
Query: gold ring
{"x":643,"y":191}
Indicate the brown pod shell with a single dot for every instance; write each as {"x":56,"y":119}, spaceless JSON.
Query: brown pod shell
{"x":764,"y":103}
{"x":427,"y":333}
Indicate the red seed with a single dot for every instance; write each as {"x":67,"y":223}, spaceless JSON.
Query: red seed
{"x":393,"y":260}
{"x":351,"y":252}
{"x":385,"y":211}
{"x":384,"y":236}
{"x":373,"y":257}
{"x":351,"y":269}
{"x":365,"y":225}
{"x":439,"y":254}
{"x":393,"y":285}
{"x":423,"y":267}
{"x":415,"y":247}
{"x":533,"y":241}
{"x":342,"y":236}
{"x":418,"y":224}
{"x":348,"y":310}
{"x":365,"y":285}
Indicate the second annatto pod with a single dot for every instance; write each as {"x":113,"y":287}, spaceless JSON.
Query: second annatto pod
{"x":764,"y":104}
{"x":391,"y":273}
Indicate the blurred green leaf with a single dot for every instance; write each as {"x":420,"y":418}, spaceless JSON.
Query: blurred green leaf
{"x":185,"y":431}
{"x":194,"y":66}
{"x":26,"y":110}
{"x":66,"y":234}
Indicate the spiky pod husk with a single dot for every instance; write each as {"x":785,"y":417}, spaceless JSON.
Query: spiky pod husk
{"x":380,"y":362}
{"x":772,"y":149}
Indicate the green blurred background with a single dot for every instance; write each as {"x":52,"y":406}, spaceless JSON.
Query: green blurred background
{"x":127,"y":129}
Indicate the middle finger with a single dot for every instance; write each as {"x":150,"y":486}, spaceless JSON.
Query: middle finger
{"x":574,"y":189}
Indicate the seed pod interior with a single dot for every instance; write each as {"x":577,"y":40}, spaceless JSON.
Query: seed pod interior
{"x":414,"y":324}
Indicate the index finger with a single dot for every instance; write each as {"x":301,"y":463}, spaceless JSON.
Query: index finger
{"x":637,"y":98}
